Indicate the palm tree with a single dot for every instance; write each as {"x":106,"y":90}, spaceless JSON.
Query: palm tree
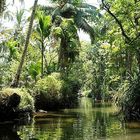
{"x":43,"y":31}
{"x":15,"y":81}
{"x":69,"y":43}
{"x":81,"y":13}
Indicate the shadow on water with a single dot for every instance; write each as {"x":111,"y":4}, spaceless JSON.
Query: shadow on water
{"x":87,"y":122}
{"x":9,"y":132}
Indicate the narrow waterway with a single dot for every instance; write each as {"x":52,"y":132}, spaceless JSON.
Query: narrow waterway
{"x":87,"y":122}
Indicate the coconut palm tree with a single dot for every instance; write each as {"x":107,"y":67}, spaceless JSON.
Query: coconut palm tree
{"x":18,"y":73}
{"x":82,"y":15}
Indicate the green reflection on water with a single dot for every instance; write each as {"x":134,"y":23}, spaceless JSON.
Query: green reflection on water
{"x":87,"y":122}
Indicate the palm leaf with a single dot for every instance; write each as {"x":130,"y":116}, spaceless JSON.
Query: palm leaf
{"x":81,"y":23}
{"x":2,"y":5}
{"x":89,"y":12}
{"x":80,"y":12}
{"x":48,"y":10}
{"x":68,"y":10}
{"x":19,"y":15}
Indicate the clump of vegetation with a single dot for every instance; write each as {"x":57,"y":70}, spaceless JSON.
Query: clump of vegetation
{"x":69,"y":91}
{"x":15,"y":103}
{"x":48,"y":92}
{"x":26,"y":98}
{"x":53,"y":93}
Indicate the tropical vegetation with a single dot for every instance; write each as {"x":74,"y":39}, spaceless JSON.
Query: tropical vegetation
{"x":55,"y":67}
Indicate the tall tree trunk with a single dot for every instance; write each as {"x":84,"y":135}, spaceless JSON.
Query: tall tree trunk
{"x":15,"y":81}
{"x":61,"y":55}
{"x":42,"y":58}
{"x":46,"y":63}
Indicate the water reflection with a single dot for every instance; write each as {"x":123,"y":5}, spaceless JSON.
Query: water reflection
{"x":87,"y":122}
{"x":9,"y":132}
{"x":95,"y":123}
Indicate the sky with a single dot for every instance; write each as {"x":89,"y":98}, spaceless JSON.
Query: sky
{"x":29,"y":3}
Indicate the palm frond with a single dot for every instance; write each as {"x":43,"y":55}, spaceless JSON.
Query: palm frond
{"x":19,"y":15}
{"x":52,"y":10}
{"x":82,"y":13}
{"x":2,"y":6}
{"x":82,"y":24}
{"x":8,"y":15}
{"x":68,"y":10}
{"x":89,"y":12}
{"x":47,"y":9}
{"x":86,"y":5}
{"x":67,"y":6}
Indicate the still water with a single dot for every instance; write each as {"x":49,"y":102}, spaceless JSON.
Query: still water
{"x":87,"y":122}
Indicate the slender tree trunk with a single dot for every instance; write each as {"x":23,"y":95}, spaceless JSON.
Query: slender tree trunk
{"x":61,"y":54}
{"x":15,"y":81}
{"x":46,"y":63}
{"x":42,"y":58}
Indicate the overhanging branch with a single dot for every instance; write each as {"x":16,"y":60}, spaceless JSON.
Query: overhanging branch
{"x":107,"y":8}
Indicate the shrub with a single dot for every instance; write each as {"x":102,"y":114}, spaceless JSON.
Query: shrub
{"x":26,"y":98}
{"x":69,"y":91}
{"x":15,"y":103}
{"x":53,"y":93}
{"x":48,"y":92}
{"x":128,"y":100}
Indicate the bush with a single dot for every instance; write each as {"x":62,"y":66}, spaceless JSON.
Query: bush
{"x":129,"y":100}
{"x":15,"y":103}
{"x":48,"y":92}
{"x":52,"y":93}
{"x":69,"y":91}
{"x":26,"y":98}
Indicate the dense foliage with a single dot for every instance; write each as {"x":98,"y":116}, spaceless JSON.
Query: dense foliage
{"x":48,"y":92}
{"x":56,"y":67}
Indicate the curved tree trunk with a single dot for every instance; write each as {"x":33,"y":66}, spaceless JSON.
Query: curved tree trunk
{"x":15,"y":81}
